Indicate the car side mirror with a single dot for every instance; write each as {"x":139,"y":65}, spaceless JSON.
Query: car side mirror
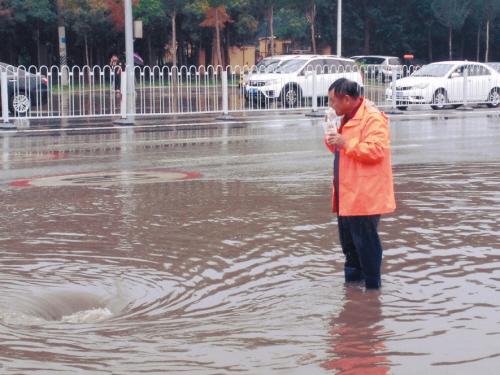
{"x":455,"y":75}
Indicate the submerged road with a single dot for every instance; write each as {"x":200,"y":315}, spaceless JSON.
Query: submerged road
{"x":210,"y":248}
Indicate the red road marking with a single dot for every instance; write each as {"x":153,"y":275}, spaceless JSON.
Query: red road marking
{"x":22,"y":183}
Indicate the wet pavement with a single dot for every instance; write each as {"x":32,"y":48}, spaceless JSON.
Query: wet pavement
{"x":211,"y":249}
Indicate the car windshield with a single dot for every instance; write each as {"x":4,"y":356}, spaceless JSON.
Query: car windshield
{"x":370,"y":60}
{"x":265,"y":63}
{"x":7,"y":67}
{"x":12,"y":71}
{"x":495,"y":66}
{"x":291,"y":66}
{"x":272,"y":67}
{"x":433,"y":70}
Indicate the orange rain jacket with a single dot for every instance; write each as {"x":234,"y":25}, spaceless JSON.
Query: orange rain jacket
{"x":365,"y":171}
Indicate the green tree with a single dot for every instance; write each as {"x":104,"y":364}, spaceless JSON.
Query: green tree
{"x":87,"y":19}
{"x":290,"y":24}
{"x":451,"y":14}
{"x":422,"y":17}
{"x":311,"y":9}
{"x":153,"y":15}
{"x":487,"y":11}
{"x":173,"y":8}
{"x":216,"y":17}
{"x":5,"y":10}
{"x":266,"y":9}
{"x":34,"y":15}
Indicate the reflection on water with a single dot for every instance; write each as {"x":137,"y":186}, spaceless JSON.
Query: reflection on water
{"x":222,"y":277}
{"x":357,"y":343}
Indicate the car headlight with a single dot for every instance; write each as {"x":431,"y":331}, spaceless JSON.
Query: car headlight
{"x":271,"y":82}
{"x":420,"y":86}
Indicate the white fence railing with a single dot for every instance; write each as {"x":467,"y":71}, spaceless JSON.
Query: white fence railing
{"x":37,"y":93}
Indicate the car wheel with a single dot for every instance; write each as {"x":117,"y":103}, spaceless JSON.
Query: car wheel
{"x":440,"y":99}
{"x":402,"y":107}
{"x":494,"y":98}
{"x":291,"y":96}
{"x":20,"y":103}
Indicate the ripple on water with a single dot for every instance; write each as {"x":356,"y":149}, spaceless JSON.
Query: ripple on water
{"x":247,"y":277}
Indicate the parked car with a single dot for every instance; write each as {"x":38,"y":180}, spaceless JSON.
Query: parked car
{"x":266,"y":65}
{"x":292,"y":81}
{"x":441,"y":85}
{"x":24,"y":89}
{"x":380,"y":67}
{"x":494,"y":65}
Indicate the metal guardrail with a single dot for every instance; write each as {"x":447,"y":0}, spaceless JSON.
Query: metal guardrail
{"x":38,"y":93}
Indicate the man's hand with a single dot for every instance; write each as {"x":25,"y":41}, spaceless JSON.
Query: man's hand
{"x":335,"y":139}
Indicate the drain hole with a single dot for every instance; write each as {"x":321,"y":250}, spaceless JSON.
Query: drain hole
{"x":69,"y":307}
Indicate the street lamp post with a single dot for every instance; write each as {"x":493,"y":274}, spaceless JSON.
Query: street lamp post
{"x":339,"y":27}
{"x":61,"y":31}
{"x":129,"y":61}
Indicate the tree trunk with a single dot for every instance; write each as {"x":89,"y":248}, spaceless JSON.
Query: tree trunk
{"x":227,"y":45}
{"x":450,"y":46}
{"x":217,"y":38}
{"x":478,"y":49}
{"x":86,"y":50}
{"x":366,"y":23}
{"x":313,"y":28}
{"x":367,"y":38}
{"x":200,"y":49}
{"x":487,"y":53}
{"x":271,"y":30}
{"x":150,"y":56}
{"x":429,"y":42}
{"x":173,"y":50}
{"x":38,"y":46}
{"x":462,"y":46}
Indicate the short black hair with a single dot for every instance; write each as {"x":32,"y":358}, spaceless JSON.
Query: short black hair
{"x":344,"y":86}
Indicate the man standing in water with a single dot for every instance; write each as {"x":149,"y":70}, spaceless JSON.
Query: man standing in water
{"x":362,"y":180}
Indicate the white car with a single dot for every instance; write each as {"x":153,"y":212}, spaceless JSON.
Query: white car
{"x":266,"y":65}
{"x":441,"y":84}
{"x":494,"y":65}
{"x":380,"y":67}
{"x":292,"y":81}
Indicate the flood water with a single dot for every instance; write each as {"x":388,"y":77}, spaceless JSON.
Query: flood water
{"x":238,"y":268}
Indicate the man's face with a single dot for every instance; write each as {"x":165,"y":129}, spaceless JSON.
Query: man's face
{"x":340,"y":103}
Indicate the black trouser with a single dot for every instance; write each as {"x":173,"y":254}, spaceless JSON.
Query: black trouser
{"x":362,"y":249}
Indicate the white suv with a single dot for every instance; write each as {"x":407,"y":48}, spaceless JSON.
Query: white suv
{"x":266,"y":65}
{"x":292,"y":81}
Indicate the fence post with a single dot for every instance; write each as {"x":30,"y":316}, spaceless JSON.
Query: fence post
{"x":123,"y":94}
{"x":314,"y":92}
{"x":394,"y":110}
{"x":465,"y":91}
{"x":5,"y":101}
{"x":225,"y":97}
{"x":126,"y":113}
{"x":393,"y":86}
{"x":314,"y":110}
